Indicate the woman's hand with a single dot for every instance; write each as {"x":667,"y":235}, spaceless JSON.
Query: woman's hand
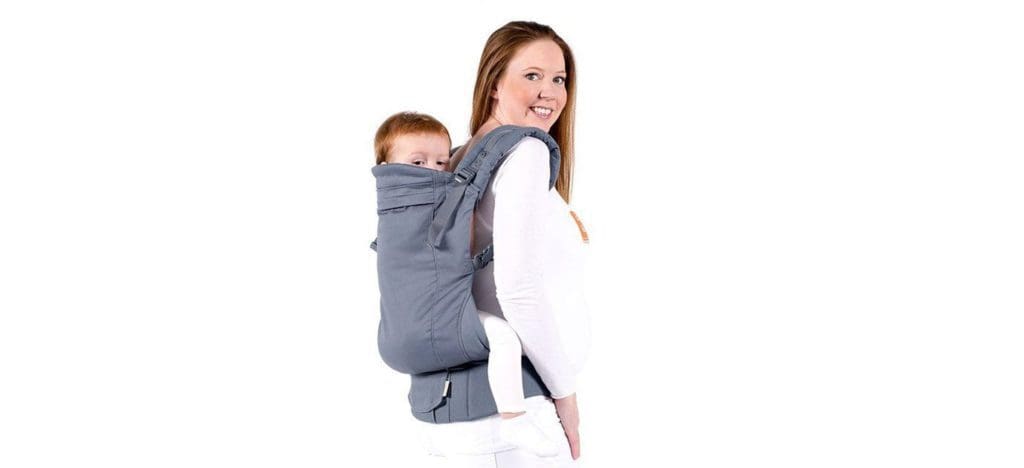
{"x":569,"y":414}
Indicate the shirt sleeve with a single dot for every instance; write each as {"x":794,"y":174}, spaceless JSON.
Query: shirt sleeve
{"x":521,"y":207}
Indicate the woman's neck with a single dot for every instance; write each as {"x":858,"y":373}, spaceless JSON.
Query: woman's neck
{"x":485,"y":128}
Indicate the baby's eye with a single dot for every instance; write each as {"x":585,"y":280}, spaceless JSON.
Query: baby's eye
{"x":418,"y":163}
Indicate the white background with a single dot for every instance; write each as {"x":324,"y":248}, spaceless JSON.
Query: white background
{"x":805,"y":221}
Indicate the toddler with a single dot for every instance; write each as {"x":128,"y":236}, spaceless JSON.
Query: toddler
{"x":421,"y":140}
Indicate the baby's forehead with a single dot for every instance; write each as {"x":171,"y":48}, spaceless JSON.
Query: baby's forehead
{"x":422,"y":136}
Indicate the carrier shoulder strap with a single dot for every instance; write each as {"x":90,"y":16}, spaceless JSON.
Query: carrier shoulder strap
{"x":478,"y":167}
{"x":495,"y":147}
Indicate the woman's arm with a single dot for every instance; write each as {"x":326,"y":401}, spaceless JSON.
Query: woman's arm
{"x":521,"y":209}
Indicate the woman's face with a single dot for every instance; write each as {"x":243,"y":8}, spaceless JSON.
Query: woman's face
{"x":532,"y":90}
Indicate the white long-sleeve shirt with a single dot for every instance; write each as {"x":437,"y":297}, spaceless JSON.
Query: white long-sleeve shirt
{"x":535,"y":282}
{"x":536,"y":278}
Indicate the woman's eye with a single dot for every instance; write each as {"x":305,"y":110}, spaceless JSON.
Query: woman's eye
{"x":558,"y":79}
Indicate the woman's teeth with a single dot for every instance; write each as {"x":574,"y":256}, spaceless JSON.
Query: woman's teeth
{"x":544,"y":112}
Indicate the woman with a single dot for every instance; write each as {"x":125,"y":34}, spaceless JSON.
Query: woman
{"x":527,"y":78}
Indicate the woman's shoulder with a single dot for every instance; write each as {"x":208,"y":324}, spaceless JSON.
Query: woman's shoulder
{"x":531,"y":144}
{"x":530,"y":152}
{"x":529,"y":155}
{"x":527,"y":168}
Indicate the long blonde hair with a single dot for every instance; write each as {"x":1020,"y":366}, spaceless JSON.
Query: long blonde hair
{"x":501,"y":46}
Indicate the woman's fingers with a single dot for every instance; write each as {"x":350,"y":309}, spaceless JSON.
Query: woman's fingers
{"x":569,"y":415}
{"x":574,"y":442}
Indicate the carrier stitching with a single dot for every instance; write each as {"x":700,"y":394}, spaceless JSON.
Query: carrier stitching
{"x":462,"y":343}
{"x":472,"y":274}
{"x":433,"y":293}
{"x":411,"y":184}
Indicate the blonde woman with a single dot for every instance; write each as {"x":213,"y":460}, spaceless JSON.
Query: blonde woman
{"x":527,"y":77}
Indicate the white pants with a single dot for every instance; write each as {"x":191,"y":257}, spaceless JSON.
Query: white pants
{"x":456,"y":444}
{"x":509,"y":459}
{"x":504,"y":365}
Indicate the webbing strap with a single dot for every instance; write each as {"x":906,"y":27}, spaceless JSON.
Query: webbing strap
{"x":463,"y":177}
{"x":445,"y":212}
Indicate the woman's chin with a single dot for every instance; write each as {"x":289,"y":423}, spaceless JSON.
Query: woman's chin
{"x":537,"y":123}
{"x":545,"y":124}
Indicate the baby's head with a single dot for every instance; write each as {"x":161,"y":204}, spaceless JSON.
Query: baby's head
{"x":413,"y":138}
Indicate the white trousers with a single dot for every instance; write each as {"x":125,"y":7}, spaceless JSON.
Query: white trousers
{"x":504,"y":365}
{"x":454,"y":449}
{"x":509,"y":459}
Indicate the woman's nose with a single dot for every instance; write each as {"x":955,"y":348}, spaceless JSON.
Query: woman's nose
{"x":547,"y":89}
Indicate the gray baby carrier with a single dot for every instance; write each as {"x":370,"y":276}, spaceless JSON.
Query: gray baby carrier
{"x":429,"y":326}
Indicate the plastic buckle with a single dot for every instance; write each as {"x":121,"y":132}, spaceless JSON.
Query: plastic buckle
{"x":463,"y":175}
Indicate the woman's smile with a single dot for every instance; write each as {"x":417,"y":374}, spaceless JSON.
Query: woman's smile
{"x":543,"y":112}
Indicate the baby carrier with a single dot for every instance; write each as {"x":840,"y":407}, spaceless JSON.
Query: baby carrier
{"x":429,"y":326}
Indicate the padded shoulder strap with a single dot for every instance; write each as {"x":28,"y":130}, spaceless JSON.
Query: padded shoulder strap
{"x":478,"y":167}
{"x":483,"y":159}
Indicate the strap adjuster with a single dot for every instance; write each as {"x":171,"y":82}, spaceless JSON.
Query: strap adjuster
{"x":463,"y":175}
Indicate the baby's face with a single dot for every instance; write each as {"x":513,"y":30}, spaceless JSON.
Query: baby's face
{"x":422,"y":149}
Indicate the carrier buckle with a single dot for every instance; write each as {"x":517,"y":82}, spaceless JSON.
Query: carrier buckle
{"x":463,"y":175}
